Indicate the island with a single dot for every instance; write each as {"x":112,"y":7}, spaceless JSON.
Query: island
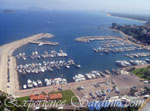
{"x":9,"y":11}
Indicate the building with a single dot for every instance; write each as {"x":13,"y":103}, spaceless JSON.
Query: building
{"x":38,"y":97}
{"x":56,"y":96}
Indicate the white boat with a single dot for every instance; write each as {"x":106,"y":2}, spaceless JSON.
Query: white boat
{"x":35,"y":84}
{"x":40,"y":44}
{"x":48,"y":83}
{"x":93,"y":76}
{"x":24,"y":86}
{"x":78,"y":65}
{"x":61,"y":53}
{"x":64,"y":81}
{"x":88,"y":76}
{"x":67,"y":66}
{"x":29,"y":81}
{"x":39,"y":82}
{"x":30,"y":85}
{"x":79,"y":77}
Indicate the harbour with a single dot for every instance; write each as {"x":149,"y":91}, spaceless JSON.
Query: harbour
{"x":40,"y":65}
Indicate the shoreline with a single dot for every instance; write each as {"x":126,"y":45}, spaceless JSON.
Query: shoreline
{"x":8,"y":62}
{"x":8,"y":65}
{"x":129,"y":38}
{"x":143,"y":21}
{"x":125,"y":38}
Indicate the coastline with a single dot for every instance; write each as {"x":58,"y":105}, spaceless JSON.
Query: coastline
{"x":108,"y":14}
{"x":125,"y":38}
{"x":129,"y":38}
{"x":8,"y":63}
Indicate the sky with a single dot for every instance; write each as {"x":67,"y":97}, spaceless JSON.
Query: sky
{"x":103,"y":5}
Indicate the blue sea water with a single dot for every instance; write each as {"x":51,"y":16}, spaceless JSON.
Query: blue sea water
{"x":65,"y":26}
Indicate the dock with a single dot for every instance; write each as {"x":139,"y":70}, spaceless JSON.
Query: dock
{"x":6,"y":62}
{"x":43,"y":42}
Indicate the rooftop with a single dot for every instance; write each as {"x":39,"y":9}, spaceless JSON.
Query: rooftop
{"x":55,"y":96}
{"x":37,"y":97}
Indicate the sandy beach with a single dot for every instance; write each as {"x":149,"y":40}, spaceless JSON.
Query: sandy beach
{"x":108,"y":14}
{"x":8,"y":62}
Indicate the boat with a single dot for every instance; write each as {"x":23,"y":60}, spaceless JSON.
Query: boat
{"x":48,"y":83}
{"x":147,"y":60}
{"x":79,"y":77}
{"x":29,"y":83}
{"x":39,"y":82}
{"x":107,"y":72}
{"x":61,"y":53}
{"x":24,"y":86}
{"x":123,"y":63}
{"x":67,"y":66}
{"x":40,"y":44}
{"x":35,"y":84}
{"x":102,"y":74}
{"x":78,"y":65}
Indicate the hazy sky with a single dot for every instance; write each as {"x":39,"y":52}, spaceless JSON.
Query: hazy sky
{"x":104,"y":5}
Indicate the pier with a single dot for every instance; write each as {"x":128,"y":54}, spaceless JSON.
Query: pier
{"x":6,"y":62}
{"x":111,"y":44}
{"x":126,"y":39}
{"x":40,"y":43}
{"x":96,"y":38}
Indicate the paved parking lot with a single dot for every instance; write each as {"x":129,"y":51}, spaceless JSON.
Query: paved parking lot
{"x":122,"y":82}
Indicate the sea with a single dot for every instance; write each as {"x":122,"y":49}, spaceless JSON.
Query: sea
{"x":65,"y":26}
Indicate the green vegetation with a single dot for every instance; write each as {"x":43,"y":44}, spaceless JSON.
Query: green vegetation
{"x":140,"y":33}
{"x":11,"y":107}
{"x":67,"y":95}
{"x":23,"y":98}
{"x":143,"y":17}
{"x":142,"y":73}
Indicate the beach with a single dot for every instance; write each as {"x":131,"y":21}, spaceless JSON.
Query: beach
{"x":8,"y":62}
{"x":108,"y":14}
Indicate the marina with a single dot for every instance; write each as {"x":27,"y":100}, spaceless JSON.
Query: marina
{"x":125,"y":63}
{"x":31,"y":66}
{"x":95,"y":38}
{"x":53,"y":61}
{"x":116,"y":50}
{"x":36,"y":55}
{"x":56,"y":60}
{"x":111,"y":44}
{"x":48,"y":82}
{"x":36,"y":68}
{"x":138,"y":55}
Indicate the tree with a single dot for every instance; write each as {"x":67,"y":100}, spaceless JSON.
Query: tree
{"x":133,"y":91}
